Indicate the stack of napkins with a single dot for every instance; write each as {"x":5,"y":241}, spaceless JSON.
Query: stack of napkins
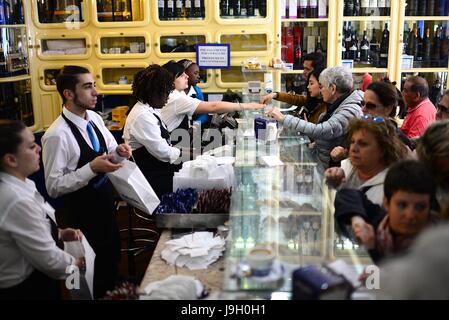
{"x":194,"y":251}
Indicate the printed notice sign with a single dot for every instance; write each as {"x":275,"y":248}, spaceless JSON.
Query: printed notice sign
{"x":213,"y":55}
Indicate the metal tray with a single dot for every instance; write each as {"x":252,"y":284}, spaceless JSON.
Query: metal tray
{"x":190,"y":220}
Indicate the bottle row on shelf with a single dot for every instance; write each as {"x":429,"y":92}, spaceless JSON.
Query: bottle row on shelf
{"x":427,"y":8}
{"x":428,"y":43}
{"x":304,"y":9}
{"x":299,"y":39}
{"x":243,"y":8}
{"x":11,"y":12}
{"x":372,"y":52}
{"x":181,"y":9}
{"x":367,"y":8}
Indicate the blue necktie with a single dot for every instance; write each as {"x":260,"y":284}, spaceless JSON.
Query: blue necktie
{"x":93,"y":137}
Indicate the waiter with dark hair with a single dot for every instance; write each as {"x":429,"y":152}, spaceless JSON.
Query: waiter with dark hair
{"x":77,"y":152}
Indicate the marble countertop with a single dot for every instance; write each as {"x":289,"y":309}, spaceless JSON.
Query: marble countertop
{"x":158,"y":269}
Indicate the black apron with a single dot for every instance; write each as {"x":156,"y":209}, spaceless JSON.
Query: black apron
{"x":92,"y":210}
{"x":38,"y":286}
{"x":158,"y":173}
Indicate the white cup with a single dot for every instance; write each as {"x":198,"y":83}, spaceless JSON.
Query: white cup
{"x":260,"y":259}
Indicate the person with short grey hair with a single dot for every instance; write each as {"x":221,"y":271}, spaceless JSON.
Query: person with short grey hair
{"x":443,"y":107}
{"x":344,"y":104}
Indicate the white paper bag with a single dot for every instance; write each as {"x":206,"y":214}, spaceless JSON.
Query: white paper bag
{"x":133,"y":187}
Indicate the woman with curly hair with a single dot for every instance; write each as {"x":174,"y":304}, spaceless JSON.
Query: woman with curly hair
{"x":145,"y":131}
{"x":373,"y":146}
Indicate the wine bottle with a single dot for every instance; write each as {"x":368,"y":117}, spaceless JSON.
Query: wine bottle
{"x":348,"y":39}
{"x":374,"y":49}
{"x":430,"y":11}
{"x":312,"y":9}
{"x":196,"y":10}
{"x":188,"y":8}
{"x":382,"y":7}
{"x":373,"y":7}
{"x":364,"y":7}
{"x":439,"y":7}
{"x":414,"y":44}
{"x":426,"y":54}
{"x":224,"y":8}
{"x":297,"y":65}
{"x":319,"y":46}
{"x":302,"y":8}
{"x":388,"y":7}
{"x":343,"y":50}
{"x":161,"y":9}
{"x":364,"y":48}
{"x":356,"y":10}
{"x":263,"y":8}
{"x":436,"y":48}
{"x":237,"y":8}
{"x":353,"y":47}
{"x":422,"y":6}
{"x":178,"y":9}
{"x":348,"y":7}
{"x":250,"y":8}
{"x":203,"y":9}
{"x":384,"y":44}
{"x":170,"y":9}
{"x":412,"y":7}
{"x":405,"y":41}
{"x":419,"y":55}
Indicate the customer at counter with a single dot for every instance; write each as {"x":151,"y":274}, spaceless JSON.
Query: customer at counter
{"x":313,"y":102}
{"x":147,"y":134}
{"x":30,"y":257}
{"x":344,"y":104}
{"x":78,"y":150}
{"x":180,"y":107}
{"x":373,"y":146}
{"x":409,"y":190}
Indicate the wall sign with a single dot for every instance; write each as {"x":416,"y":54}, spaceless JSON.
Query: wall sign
{"x":213,"y":55}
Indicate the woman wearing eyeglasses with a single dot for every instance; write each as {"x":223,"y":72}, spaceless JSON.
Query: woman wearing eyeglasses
{"x":381,"y":99}
{"x":373,"y":146}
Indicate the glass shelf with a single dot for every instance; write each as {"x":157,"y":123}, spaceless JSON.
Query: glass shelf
{"x":118,"y":77}
{"x":115,"y":46}
{"x":180,"y":43}
{"x":248,"y":43}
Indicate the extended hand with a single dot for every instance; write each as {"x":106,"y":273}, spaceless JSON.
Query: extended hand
{"x":70,"y":234}
{"x":103,"y":164}
{"x":335,"y":176}
{"x":275,"y":113}
{"x":267,"y":98}
{"x":124,"y":150}
{"x":364,"y":232}
{"x":339,"y":153}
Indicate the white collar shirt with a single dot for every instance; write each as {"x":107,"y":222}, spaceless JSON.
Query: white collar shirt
{"x":142,"y":129}
{"x":178,"y":106}
{"x":61,"y":152}
{"x":25,"y":234}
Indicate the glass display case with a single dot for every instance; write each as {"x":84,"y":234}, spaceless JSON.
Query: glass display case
{"x":118,"y":76}
{"x":181,"y":10}
{"x":180,"y":43}
{"x":15,"y":101}
{"x":111,"y":46}
{"x":118,"y":11}
{"x":243,"y":9}
{"x":245,"y":42}
{"x":13,"y":51}
{"x":286,"y":207}
{"x":60,"y":12}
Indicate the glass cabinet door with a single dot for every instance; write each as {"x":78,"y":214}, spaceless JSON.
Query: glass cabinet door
{"x":247,"y":42}
{"x":179,"y":44}
{"x":119,"y":10}
{"x":300,"y":38}
{"x":13,"y":52}
{"x":110,"y":46}
{"x":49,"y":71}
{"x":15,"y":101}
{"x":425,"y":44}
{"x":61,"y":47}
{"x":367,"y":8}
{"x":57,"y":11}
{"x":235,"y":77}
{"x":119,"y":77}
{"x":426,"y":8}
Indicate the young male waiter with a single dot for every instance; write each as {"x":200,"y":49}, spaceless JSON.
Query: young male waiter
{"x":77,"y":152}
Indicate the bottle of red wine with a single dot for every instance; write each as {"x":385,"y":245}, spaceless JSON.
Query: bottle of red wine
{"x":436,"y":48}
{"x":427,"y":50}
{"x":161,"y":9}
{"x":196,"y":9}
{"x":364,"y":48}
{"x":250,"y":8}
{"x":224,"y":8}
{"x":170,"y":9}
{"x":384,"y":44}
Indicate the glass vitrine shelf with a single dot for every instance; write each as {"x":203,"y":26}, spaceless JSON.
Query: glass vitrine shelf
{"x":366,"y":8}
{"x":247,"y":42}
{"x":182,"y":11}
{"x":13,"y":51}
{"x":59,"y":12}
{"x":180,"y":43}
{"x":287,"y":207}
{"x":113,"y":47}
{"x":118,"y":77}
{"x":249,"y":9}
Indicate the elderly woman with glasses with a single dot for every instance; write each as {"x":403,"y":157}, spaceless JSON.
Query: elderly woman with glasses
{"x":336,"y":86}
{"x":373,"y":146}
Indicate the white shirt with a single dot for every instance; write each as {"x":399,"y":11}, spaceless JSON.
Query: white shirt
{"x":142,"y":129}
{"x":375,"y":193}
{"x":25,"y":234}
{"x":178,"y":105}
{"x":61,"y":152}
